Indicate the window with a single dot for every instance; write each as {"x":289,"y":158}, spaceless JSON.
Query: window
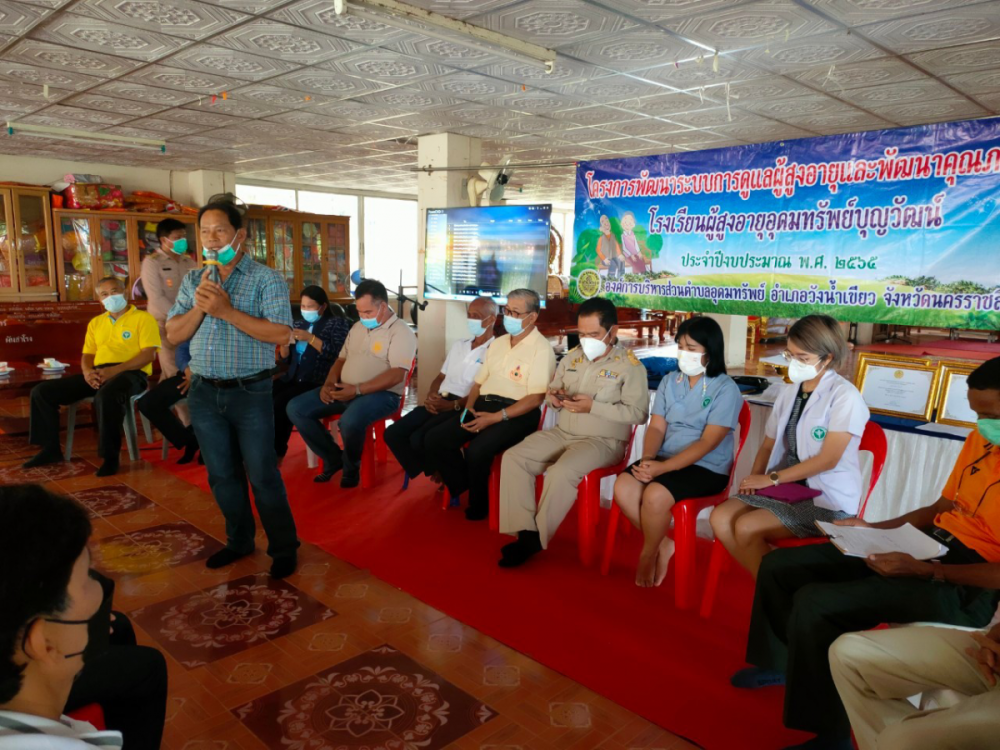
{"x":266,"y":196}
{"x":391,"y":241}
{"x":336,"y":205}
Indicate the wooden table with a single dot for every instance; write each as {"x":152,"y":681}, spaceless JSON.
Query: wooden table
{"x":27,"y":375}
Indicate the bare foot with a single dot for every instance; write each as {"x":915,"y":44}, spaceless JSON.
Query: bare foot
{"x":645,"y":574}
{"x":665,"y":552}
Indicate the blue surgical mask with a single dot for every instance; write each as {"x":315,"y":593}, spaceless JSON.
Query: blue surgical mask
{"x":372,"y":323}
{"x":180,"y":246}
{"x":310,"y":316}
{"x":115,"y":303}
{"x":476,"y":327}
{"x":989,"y":429}
{"x":513,"y":326}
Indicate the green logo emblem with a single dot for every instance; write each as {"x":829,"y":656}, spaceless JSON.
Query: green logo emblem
{"x":706,"y":402}
{"x":589,"y":283}
{"x":818,"y":433}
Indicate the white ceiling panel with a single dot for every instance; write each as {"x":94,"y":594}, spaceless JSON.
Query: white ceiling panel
{"x":67,"y":59}
{"x":162,"y":76}
{"x":284,"y":42}
{"x":636,"y":49}
{"x":861,"y":12}
{"x":555,"y":23}
{"x":141,"y":92}
{"x":882,"y":72}
{"x":960,"y":59}
{"x":750,"y":24}
{"x":966,"y":25}
{"x":840,"y":48}
{"x":327,"y":83}
{"x":181,"y":18}
{"x":980,"y":83}
{"x":107,"y":37}
{"x":385,"y":66}
{"x":320,"y":15}
{"x":104,"y":103}
{"x":17,"y":19}
{"x":206,"y":58}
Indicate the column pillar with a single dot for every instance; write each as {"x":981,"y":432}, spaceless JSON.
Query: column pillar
{"x":734,"y":330}
{"x":442,"y":323}
{"x":195,"y":188}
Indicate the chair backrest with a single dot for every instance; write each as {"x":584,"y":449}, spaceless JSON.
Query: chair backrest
{"x":406,"y":390}
{"x":873,"y":440}
{"x":745,"y":421}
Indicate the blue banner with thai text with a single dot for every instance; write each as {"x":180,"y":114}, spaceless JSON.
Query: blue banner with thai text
{"x":891,"y":226}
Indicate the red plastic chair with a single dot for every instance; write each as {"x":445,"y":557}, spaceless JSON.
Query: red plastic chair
{"x":375,"y":449}
{"x":685,"y":515}
{"x":873,"y":441}
{"x":92,"y":714}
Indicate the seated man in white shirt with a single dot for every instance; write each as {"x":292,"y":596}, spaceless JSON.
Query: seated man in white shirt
{"x":48,"y":599}
{"x":447,"y":395}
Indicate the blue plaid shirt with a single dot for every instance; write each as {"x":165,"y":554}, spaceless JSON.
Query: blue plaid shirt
{"x":220,"y":350}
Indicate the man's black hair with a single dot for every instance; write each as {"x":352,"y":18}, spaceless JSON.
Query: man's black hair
{"x":229,"y":209}
{"x":604,"y":309}
{"x":986,"y":377}
{"x":372,"y":288}
{"x":41,"y":537}
{"x":706,"y":332}
{"x":168,"y":226}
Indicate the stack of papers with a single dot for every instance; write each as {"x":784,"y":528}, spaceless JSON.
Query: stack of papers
{"x":856,"y":541}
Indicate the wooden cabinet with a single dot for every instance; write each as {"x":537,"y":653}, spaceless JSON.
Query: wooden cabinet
{"x":304,"y":248}
{"x":27,"y":271}
{"x":94,"y":244}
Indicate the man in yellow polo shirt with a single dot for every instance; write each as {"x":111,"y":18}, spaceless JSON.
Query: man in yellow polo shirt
{"x":117,"y":359}
{"x":502,"y":408}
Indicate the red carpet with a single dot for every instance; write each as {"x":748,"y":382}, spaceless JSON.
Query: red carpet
{"x":628,"y":644}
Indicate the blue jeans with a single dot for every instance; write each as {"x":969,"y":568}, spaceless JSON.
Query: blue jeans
{"x":307,"y":410}
{"x":235,"y":429}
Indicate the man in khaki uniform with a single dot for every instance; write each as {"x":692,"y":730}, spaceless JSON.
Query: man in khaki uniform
{"x":600,"y":391}
{"x":876,"y":672}
{"x":364,"y":385}
{"x":501,"y":409}
{"x":162,"y":274}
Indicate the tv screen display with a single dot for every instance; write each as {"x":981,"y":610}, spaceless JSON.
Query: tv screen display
{"x":486,"y":251}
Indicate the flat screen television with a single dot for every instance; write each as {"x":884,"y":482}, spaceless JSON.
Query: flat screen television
{"x":486,"y":251}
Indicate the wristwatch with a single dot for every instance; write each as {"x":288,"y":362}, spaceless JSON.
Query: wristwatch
{"x":503,"y":413}
{"x":775,"y":478}
{"x":357,"y":390}
{"x":938,"y":576}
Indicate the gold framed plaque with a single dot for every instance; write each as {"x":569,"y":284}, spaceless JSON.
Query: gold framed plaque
{"x":897,"y":386}
{"x":953,"y":402}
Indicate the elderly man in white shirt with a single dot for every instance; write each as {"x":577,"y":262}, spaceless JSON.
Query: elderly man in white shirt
{"x":447,"y":395}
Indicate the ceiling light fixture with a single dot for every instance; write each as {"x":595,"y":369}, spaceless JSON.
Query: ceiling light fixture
{"x":501,"y":44}
{"x":84,"y":136}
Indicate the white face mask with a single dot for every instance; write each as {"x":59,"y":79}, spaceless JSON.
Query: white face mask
{"x":594,"y":348}
{"x":690,"y":363}
{"x":799,"y":372}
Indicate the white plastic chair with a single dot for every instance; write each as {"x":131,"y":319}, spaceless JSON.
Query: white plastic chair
{"x":129,"y":424}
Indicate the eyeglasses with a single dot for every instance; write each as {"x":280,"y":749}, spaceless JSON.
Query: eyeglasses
{"x":508,"y":313}
{"x":789,"y":357}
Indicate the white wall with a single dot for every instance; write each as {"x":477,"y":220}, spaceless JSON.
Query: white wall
{"x":37,"y":171}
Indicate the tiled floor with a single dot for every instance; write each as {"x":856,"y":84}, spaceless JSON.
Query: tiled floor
{"x":330,"y":659}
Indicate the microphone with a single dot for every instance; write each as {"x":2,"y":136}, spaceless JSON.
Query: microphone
{"x":212,"y":261}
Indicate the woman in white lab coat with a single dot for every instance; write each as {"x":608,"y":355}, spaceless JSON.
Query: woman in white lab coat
{"x":811,"y":438}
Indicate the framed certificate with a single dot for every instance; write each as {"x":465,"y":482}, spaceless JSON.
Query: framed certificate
{"x":953,"y":401}
{"x":898,"y":386}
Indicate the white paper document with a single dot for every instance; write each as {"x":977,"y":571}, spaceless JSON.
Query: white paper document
{"x":855,"y":541}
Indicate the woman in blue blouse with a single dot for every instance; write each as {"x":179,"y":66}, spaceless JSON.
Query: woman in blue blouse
{"x":689,"y":445}
{"x":317,"y":337}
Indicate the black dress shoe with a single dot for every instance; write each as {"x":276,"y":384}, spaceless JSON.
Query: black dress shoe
{"x":473,"y":513}
{"x":328,"y":471}
{"x":108,"y":469}
{"x":190,"y":450}
{"x":282,"y":567}
{"x":349,"y":481}
{"x":44,"y":458}
{"x":223,"y":557}
{"x":528,"y":545}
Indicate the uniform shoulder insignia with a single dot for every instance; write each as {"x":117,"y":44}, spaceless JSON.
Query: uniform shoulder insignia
{"x":632,"y":358}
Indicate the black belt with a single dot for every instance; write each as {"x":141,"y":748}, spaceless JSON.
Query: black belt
{"x":499,"y":400}
{"x":237,"y":382}
{"x":957,"y":549}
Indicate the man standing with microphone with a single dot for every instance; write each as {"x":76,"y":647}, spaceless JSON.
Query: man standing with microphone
{"x":235,"y":313}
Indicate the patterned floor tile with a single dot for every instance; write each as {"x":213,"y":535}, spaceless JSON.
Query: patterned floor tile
{"x":13,"y":473}
{"x":149,"y":550}
{"x":379,"y":700}
{"x":112,"y":500}
{"x":209,"y":625}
